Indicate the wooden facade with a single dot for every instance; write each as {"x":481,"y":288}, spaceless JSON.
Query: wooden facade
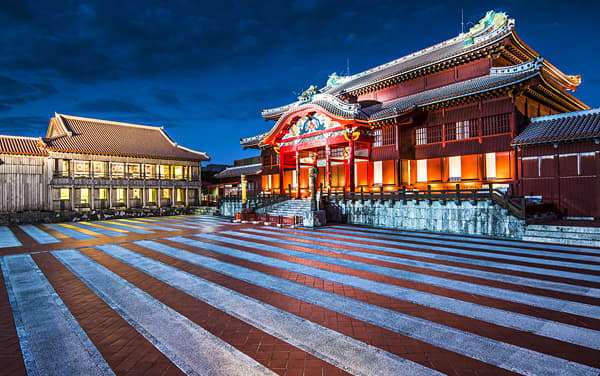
{"x":24,"y":182}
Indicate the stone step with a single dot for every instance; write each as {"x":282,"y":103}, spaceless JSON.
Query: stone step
{"x":566,"y":229}
{"x":566,"y":241}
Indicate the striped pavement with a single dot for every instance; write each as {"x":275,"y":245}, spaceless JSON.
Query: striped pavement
{"x":201,"y":296}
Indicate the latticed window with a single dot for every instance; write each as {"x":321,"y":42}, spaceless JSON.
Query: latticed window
{"x":434,"y":133}
{"x":388,"y":136}
{"x":377,"y":137}
{"x":421,"y":136}
{"x":462,"y":129}
{"x":495,"y":124}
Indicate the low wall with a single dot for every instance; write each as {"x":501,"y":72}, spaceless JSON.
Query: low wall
{"x":74,"y":216}
{"x":476,"y":218}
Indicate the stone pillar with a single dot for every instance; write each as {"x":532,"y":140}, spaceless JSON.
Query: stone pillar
{"x":313,"y":173}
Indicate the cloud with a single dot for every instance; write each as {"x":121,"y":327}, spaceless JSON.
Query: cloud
{"x":14,"y":91}
{"x":33,"y":126}
{"x":4,"y":107}
{"x":165,"y":97}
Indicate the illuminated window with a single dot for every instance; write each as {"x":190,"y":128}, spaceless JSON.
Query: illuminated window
{"x":81,"y":168}
{"x":490,"y":165}
{"x":377,"y":137}
{"x":454,"y":167}
{"x":180,"y":195}
{"x":84,"y":195}
{"x":462,"y":130}
{"x":65,"y":167}
{"x":134,"y":171}
{"x":152,"y":195}
{"x":117,"y":170}
{"x":178,"y":172}
{"x":165,"y":172}
{"x":103,"y":194}
{"x":421,"y":136}
{"x":421,"y":170}
{"x":378,"y":172}
{"x":65,"y":194}
{"x":98,"y":168}
{"x":136,"y":194}
{"x":166,"y":193}
{"x":150,"y":171}
{"x":120,"y":195}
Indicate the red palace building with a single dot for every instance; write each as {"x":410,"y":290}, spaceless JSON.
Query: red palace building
{"x":479,"y":108}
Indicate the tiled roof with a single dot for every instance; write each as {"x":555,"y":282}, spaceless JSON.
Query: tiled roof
{"x":87,"y":135}
{"x":230,"y":172}
{"x":21,"y":145}
{"x":498,"y":77}
{"x":562,"y":127}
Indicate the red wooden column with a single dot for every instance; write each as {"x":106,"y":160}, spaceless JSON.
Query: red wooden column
{"x":351,"y":166}
{"x":328,"y":166}
{"x":281,"y":189}
{"x":297,"y":175}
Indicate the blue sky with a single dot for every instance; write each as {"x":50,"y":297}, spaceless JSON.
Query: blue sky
{"x":204,"y":70}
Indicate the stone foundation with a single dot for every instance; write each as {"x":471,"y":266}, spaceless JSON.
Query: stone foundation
{"x":474,"y":218}
{"x":316,"y":218}
{"x":92,"y":215}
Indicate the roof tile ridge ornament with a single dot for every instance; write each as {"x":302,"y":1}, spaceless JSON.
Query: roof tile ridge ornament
{"x":592,"y":111}
{"x":18,"y":137}
{"x":62,"y":123}
{"x":252,"y":139}
{"x":528,"y":66}
{"x":112,"y":122}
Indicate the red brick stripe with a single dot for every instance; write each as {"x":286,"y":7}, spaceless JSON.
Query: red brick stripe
{"x":279,"y":356}
{"x":436,"y":273}
{"x":125,"y":350}
{"x":409,"y":348}
{"x":22,"y":236}
{"x":516,"y":337}
{"x":11,"y":359}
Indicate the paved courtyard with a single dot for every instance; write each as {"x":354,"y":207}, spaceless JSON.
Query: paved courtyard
{"x":203,"y":296}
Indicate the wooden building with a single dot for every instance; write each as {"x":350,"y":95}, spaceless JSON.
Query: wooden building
{"x":87,"y":164}
{"x":438,"y":117}
{"x":230,"y":179}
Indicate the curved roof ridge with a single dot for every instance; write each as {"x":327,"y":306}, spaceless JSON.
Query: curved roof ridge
{"x":591,"y":111}
{"x":111,"y":122}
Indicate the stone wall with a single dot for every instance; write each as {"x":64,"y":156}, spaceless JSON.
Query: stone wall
{"x":92,"y":215}
{"x":477,"y":218}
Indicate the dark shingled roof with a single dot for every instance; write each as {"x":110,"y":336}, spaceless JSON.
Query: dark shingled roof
{"x":21,"y":145}
{"x":231,"y":172}
{"x":562,"y":127}
{"x":96,"y":136}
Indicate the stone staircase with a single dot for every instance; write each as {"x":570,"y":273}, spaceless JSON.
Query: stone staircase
{"x":289,"y":208}
{"x":570,"y":235}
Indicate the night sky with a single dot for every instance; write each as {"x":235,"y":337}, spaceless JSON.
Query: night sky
{"x":204,"y":70}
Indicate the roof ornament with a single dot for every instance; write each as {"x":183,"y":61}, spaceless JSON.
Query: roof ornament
{"x":492,"y":19}
{"x":334,"y":80}
{"x":307,"y":94}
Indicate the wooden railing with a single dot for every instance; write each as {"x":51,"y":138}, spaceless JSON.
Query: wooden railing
{"x":515,"y":205}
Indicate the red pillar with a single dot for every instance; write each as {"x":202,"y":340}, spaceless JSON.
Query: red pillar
{"x":281,"y":188}
{"x":351,"y":166}
{"x":297,"y":174}
{"x":327,"y":166}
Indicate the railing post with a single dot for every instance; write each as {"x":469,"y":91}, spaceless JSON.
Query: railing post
{"x":458,"y":194}
{"x":361,"y":194}
{"x":381,"y":193}
{"x":474,"y":195}
{"x":403,"y":194}
{"x":290,"y":190}
{"x":429,"y":193}
{"x":491,"y":187}
{"x":344,"y":194}
{"x":524,"y":208}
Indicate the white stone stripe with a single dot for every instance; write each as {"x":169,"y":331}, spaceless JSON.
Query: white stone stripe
{"x":38,"y":234}
{"x":444,"y":240}
{"x":150,"y":226}
{"x":471,"y":238}
{"x":189,"y":346}
{"x":69,"y":232}
{"x":494,"y":352}
{"x":126,"y":228}
{"x":466,"y":260}
{"x":523,"y":281}
{"x":7,"y":238}
{"x":340,"y":350}
{"x":555,"y":304}
{"x":170,"y":223}
{"x":99,"y":230}
{"x":451,"y":247}
{"x":547,"y":328}
{"x":52,"y":342}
